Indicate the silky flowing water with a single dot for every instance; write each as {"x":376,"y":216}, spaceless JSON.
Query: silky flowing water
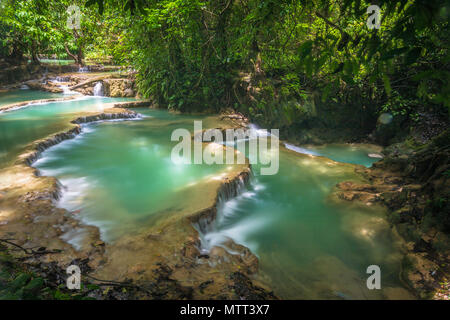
{"x":117,"y":175}
{"x":310,"y":245}
{"x":20,"y":127}
{"x":346,"y":153}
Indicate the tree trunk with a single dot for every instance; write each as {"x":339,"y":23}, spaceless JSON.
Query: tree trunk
{"x":34,"y":57}
{"x":80,"y":56}
{"x":77,"y":57}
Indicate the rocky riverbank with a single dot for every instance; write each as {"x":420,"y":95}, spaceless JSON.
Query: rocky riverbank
{"x":413,"y":183}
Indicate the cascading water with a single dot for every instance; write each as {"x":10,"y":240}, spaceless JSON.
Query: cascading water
{"x":64,"y":87}
{"x":208,"y":229}
{"x":98,"y":89}
{"x":66,"y":90}
{"x":84,"y":69}
{"x":292,"y":224}
{"x":361,"y":154}
{"x":300,"y":149}
{"x":308,"y":246}
{"x":153,"y":172}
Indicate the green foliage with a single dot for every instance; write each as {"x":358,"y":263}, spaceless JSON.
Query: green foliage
{"x":189,"y":54}
{"x":32,"y":27}
{"x":24,"y":286}
{"x":192,"y":54}
{"x":18,"y":283}
{"x":399,"y":106}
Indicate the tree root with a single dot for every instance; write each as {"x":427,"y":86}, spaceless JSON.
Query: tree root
{"x":30,"y":251}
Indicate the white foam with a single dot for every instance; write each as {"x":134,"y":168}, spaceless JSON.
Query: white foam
{"x":67,"y":91}
{"x":300,"y":150}
{"x":75,"y":189}
{"x":239,"y":233}
{"x":98,"y":89}
{"x":255,"y":129}
{"x":75,"y":237}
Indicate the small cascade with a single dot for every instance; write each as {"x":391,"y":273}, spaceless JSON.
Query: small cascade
{"x":300,"y":149}
{"x":24,"y":87}
{"x":98,"y":89}
{"x":84,"y":69}
{"x":206,"y":223}
{"x":257,"y":131}
{"x":108,"y":116}
{"x":66,"y":90}
{"x":63,"y":86}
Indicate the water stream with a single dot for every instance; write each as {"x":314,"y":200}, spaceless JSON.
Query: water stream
{"x":20,"y":127}
{"x":98,"y":89}
{"x":117,"y":175}
{"x":309,"y":245}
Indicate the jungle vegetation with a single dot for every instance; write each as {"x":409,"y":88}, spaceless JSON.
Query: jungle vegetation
{"x":280,"y":62}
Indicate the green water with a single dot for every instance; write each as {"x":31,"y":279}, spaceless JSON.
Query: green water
{"x":25,"y":95}
{"x":309,"y":246}
{"x":118,"y":175}
{"x":20,"y":127}
{"x":347,"y":153}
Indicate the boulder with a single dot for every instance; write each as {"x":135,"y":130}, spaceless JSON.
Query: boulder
{"x":119,"y":87}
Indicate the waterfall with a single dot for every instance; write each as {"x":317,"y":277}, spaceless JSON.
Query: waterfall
{"x":207,"y":224}
{"x":66,"y":90}
{"x":255,"y":129}
{"x":98,"y":89}
{"x":84,"y":69}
